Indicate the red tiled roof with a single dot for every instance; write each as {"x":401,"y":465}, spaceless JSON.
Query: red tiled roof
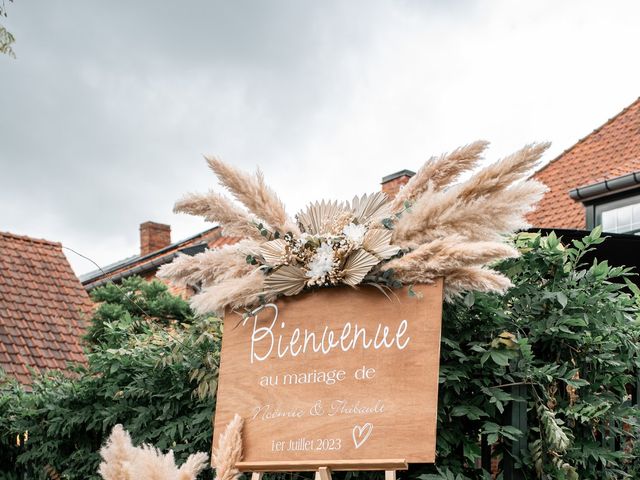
{"x":610,"y":151}
{"x":42,"y":307}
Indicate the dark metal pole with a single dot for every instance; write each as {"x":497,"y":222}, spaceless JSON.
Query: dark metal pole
{"x":516,"y":416}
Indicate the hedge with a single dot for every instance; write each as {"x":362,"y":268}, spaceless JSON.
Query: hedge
{"x":562,"y":343}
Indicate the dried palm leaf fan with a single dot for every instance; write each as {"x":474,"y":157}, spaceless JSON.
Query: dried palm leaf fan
{"x":432,"y":228}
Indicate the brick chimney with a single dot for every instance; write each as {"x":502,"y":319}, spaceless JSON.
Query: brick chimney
{"x":154,"y":236}
{"x":391,"y":183}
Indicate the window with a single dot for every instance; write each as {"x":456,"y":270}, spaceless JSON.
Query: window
{"x":619,"y":216}
{"x":621,"y":220}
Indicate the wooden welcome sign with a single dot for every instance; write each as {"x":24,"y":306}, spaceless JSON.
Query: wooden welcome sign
{"x":334,"y":374}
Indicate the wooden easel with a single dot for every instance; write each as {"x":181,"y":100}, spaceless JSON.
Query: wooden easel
{"x":323,"y":469}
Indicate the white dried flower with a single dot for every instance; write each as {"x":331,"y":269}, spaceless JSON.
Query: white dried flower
{"x":322,"y":262}
{"x":355,"y":233}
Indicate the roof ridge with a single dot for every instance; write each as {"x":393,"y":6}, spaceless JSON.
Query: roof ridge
{"x":141,"y":259}
{"x":595,"y":130}
{"x":30,"y":239}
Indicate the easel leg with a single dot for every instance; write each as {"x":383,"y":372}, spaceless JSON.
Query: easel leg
{"x":323,"y":473}
{"x":256,"y":476}
{"x":389,"y":475}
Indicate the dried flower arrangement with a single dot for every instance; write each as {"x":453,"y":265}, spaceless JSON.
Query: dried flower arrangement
{"x":432,"y":228}
{"x":122,"y":461}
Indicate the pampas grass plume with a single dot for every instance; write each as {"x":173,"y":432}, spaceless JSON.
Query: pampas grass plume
{"x":445,"y":257}
{"x":214,"y":207}
{"x":117,"y":454}
{"x":253,"y":192}
{"x":211,"y":266}
{"x":500,"y":175}
{"x":122,"y":461}
{"x":474,"y":278}
{"x":234,"y":292}
{"x":193,"y":466}
{"x":180,"y":269}
{"x":488,"y":217}
{"x":458,"y":209}
{"x":440,"y":172}
{"x":229,"y":451}
{"x":150,"y":463}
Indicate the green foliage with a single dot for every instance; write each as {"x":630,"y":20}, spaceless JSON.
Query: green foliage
{"x":6,"y":38}
{"x":127,"y":309}
{"x":154,"y":374}
{"x":565,"y":341}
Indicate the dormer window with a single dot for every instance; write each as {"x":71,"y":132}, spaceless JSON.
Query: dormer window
{"x":614,"y":204}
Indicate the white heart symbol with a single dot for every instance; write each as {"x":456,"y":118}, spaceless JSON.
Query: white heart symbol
{"x":361,"y":434}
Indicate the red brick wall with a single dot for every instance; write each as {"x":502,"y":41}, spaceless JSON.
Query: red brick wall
{"x":154,"y":236}
{"x":392,"y":187}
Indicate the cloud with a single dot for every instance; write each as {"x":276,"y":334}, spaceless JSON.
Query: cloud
{"x":109,"y":107}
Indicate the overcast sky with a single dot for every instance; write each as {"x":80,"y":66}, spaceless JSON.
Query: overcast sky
{"x":109,"y":106}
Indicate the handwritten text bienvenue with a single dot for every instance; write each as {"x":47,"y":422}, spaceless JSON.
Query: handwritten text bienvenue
{"x":265,"y":341}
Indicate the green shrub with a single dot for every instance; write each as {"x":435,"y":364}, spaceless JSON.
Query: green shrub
{"x":126,"y":309}
{"x":563,"y":343}
{"x":154,"y":372}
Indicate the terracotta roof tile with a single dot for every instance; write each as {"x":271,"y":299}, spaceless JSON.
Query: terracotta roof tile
{"x":610,"y":151}
{"x":43,"y":307}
